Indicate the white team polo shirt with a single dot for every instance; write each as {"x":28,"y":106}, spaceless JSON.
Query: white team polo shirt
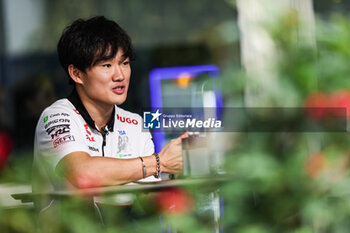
{"x":66,"y":127}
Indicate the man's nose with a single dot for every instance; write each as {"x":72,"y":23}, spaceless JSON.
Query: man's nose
{"x":118,"y":74}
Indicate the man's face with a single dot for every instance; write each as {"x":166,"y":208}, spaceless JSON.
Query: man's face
{"x":107,"y":82}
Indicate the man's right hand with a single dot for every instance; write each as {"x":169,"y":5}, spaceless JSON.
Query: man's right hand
{"x":171,"y":156}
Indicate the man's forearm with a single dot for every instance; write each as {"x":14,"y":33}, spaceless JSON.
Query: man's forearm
{"x":84,"y":171}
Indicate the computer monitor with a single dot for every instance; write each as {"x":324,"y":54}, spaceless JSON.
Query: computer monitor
{"x":188,"y":87}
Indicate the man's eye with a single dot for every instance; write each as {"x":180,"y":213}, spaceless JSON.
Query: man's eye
{"x":106,"y":65}
{"x":125,"y":63}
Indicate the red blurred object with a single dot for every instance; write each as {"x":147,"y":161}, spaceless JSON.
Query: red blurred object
{"x":317,"y":105}
{"x":174,"y":201}
{"x":6,"y":144}
{"x":341,"y":99}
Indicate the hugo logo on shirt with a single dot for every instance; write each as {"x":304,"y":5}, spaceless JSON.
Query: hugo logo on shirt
{"x":127,"y":120}
{"x":88,"y":134}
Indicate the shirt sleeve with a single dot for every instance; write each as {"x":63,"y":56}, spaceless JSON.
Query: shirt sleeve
{"x":58,"y":134}
{"x":148,"y":150}
{"x":148,"y":147}
{"x":146,"y":143}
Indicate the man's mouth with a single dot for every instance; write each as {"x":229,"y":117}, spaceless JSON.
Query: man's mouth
{"x":119,"y":90}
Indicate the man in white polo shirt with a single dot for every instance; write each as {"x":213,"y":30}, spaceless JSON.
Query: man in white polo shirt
{"x":86,"y":140}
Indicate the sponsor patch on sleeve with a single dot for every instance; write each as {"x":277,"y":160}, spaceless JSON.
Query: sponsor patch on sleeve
{"x":62,"y":140}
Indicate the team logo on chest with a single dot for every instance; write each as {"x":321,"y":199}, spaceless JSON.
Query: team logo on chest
{"x":123,"y":144}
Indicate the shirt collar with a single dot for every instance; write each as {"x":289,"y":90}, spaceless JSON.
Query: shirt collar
{"x":74,"y":98}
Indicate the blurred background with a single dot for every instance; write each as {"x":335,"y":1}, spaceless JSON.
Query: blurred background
{"x":271,"y":53}
{"x":173,"y":33}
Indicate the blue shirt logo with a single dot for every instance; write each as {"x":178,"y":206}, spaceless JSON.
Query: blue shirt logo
{"x":121,"y":132}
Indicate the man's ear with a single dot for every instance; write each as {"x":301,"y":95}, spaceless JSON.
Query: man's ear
{"x":75,"y":74}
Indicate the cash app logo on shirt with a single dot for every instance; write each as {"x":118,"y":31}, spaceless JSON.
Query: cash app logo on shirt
{"x":46,"y":118}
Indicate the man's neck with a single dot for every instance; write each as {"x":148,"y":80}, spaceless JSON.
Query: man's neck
{"x":99,"y":112}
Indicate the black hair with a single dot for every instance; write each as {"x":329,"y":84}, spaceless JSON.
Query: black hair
{"x":86,"y":42}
